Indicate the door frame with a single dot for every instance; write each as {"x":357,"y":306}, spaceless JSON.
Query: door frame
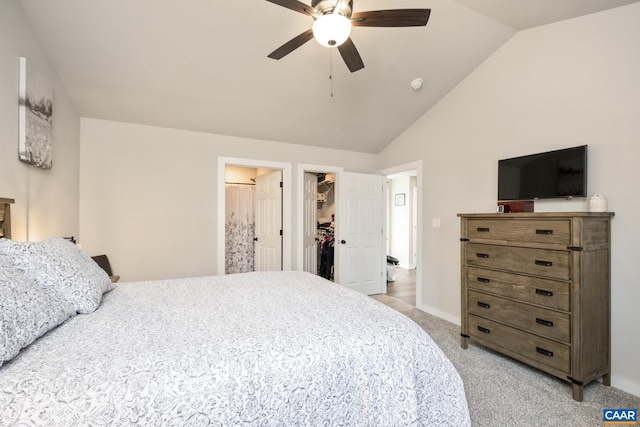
{"x":300,"y":170}
{"x":417,"y":166}
{"x":286,"y":169}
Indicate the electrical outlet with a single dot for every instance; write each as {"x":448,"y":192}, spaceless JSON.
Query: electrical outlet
{"x":436,"y":222}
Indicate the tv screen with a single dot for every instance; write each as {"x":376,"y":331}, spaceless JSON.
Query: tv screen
{"x":559,"y":173}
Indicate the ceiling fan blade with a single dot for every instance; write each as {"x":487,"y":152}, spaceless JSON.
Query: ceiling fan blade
{"x":351,"y":56}
{"x":292,"y":45}
{"x":391,"y":18}
{"x":295,"y":5}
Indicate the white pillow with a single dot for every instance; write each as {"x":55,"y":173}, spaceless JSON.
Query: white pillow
{"x":59,"y":265}
{"x":27,"y":311}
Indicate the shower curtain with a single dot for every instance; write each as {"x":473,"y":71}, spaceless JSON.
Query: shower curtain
{"x":239,"y":229}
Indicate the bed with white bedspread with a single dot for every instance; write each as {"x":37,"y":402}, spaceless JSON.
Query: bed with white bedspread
{"x":271,"y":348}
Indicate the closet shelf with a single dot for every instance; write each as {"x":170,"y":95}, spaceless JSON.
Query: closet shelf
{"x":327,"y":184}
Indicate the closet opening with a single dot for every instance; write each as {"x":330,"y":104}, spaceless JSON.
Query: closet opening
{"x":325,"y":225}
{"x":316,"y":219}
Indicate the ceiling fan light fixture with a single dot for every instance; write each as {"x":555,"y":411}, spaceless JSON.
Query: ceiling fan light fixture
{"x":331,"y":30}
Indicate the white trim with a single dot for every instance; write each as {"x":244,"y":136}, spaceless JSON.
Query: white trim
{"x":286,"y":205}
{"x":301,"y":168}
{"x":417,"y":166}
{"x":625,"y":385}
{"x":441,"y":314}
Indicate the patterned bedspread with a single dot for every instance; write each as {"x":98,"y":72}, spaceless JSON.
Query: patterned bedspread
{"x":279,"y":349}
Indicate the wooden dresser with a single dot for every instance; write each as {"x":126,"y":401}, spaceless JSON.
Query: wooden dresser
{"x":536,"y":287}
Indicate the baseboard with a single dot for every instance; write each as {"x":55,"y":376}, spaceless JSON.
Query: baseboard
{"x":435,"y":312}
{"x":407,"y":266}
{"x":625,"y":385}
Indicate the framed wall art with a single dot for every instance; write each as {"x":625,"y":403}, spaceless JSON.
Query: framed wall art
{"x":400,"y":199}
{"x":35,"y":117}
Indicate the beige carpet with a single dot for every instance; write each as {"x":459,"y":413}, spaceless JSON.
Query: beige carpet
{"x":504,"y":392}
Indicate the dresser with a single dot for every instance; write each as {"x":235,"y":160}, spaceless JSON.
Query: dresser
{"x":536,"y":287}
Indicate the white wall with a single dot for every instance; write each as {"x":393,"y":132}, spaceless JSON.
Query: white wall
{"x":46,"y":200}
{"x":566,"y":84}
{"x":149,"y":194}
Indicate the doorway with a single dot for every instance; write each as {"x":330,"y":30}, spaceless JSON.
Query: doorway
{"x":253,"y":219}
{"x":319,"y":224}
{"x":285,"y":208}
{"x":404,"y":222}
{"x":240,"y":219}
{"x":359,"y":254}
{"x":310,"y":210}
{"x":402,"y":225}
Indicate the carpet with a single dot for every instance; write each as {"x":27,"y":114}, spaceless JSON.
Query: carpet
{"x":504,"y":392}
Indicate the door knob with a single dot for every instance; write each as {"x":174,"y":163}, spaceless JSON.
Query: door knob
{"x":344,"y":242}
{"x":255,"y":239}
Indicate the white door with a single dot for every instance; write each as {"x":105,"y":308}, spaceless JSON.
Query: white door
{"x":310,"y":223}
{"x":359,"y":240}
{"x":268,"y":240}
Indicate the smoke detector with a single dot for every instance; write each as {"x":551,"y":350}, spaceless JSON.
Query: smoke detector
{"x":416,"y":84}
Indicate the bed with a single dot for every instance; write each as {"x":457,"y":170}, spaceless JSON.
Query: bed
{"x":269,"y":348}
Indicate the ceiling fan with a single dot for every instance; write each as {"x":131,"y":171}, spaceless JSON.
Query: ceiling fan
{"x":333,"y":20}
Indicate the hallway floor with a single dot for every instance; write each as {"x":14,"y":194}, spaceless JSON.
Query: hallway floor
{"x":404,"y":287}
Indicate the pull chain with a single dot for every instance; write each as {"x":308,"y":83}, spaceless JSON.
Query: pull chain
{"x":331,"y":70}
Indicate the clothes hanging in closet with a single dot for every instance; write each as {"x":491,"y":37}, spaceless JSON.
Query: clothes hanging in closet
{"x":326,"y":258}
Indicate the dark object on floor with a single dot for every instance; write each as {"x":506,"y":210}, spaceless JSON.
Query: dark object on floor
{"x":392,"y":263}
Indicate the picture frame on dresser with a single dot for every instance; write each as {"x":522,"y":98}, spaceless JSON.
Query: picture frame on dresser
{"x":536,"y":287}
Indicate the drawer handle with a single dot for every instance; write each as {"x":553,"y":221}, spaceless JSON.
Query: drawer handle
{"x":485,"y":330}
{"x":544,"y":263}
{"x":545,"y":352}
{"x":483,"y":229}
{"x":483,"y":304}
{"x":482,"y":255}
{"x":543,"y":292}
{"x":483,"y":280}
{"x":544,"y":231}
{"x":544,"y":322}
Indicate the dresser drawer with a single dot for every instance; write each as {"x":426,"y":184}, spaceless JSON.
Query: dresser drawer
{"x":521,"y":230}
{"x":544,"y":292}
{"x":538,"y":262}
{"x":533,"y":347}
{"x":537,"y":320}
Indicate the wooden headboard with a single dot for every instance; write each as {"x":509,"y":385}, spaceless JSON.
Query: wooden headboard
{"x":5,"y":217}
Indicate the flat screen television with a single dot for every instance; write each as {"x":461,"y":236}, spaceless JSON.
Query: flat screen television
{"x":553,"y":174}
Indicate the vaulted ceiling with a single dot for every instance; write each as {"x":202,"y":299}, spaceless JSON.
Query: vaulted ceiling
{"x":202,"y":65}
